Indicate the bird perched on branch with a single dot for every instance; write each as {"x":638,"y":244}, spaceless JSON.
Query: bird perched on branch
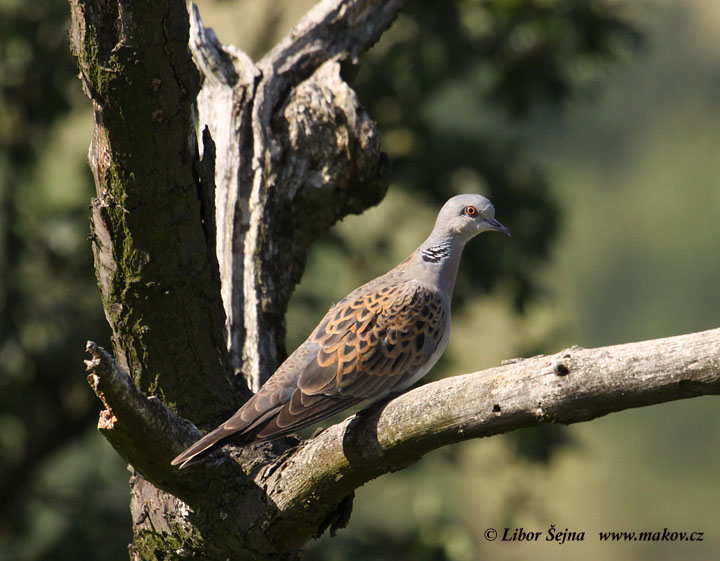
{"x":377,"y":341}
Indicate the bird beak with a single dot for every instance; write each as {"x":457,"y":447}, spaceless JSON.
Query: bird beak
{"x":495,"y":225}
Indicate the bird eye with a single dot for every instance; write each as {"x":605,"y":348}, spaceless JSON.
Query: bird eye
{"x":470,"y":211}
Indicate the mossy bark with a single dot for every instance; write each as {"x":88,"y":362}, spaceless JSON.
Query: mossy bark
{"x":158,"y":279}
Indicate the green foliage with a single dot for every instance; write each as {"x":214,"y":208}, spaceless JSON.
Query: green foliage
{"x":35,"y":71}
{"x":376,"y":545}
{"x":49,"y":304}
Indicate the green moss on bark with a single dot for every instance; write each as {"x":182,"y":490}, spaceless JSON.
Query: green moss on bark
{"x":161,"y":294}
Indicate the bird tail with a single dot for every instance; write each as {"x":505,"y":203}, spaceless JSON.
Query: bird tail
{"x":212,"y":441}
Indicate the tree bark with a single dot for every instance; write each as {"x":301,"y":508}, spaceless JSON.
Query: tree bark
{"x":157,"y":275}
{"x":198,"y":245}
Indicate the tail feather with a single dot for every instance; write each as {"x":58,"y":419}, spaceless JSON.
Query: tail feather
{"x":300,"y":411}
{"x":212,"y":441}
{"x":233,"y":431}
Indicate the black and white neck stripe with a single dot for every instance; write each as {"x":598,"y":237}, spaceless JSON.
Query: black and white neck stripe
{"x":436,"y":253}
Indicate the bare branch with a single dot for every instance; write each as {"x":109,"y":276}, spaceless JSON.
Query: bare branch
{"x":331,"y":29}
{"x":142,"y":430}
{"x":571,"y":386}
{"x":300,"y":491}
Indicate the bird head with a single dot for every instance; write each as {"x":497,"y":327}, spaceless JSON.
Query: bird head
{"x":466,"y":216}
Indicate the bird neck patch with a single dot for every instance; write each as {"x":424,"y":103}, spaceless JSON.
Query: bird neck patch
{"x":436,"y":253}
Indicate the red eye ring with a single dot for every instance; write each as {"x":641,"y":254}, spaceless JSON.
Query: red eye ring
{"x":470,"y":211}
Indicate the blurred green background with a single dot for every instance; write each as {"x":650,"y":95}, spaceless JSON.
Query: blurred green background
{"x":593,"y":126}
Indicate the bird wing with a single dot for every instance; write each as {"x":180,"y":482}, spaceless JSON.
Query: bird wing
{"x":371,"y":343}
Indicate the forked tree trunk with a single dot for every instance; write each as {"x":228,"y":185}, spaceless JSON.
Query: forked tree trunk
{"x":197,"y":251}
{"x":288,"y":151}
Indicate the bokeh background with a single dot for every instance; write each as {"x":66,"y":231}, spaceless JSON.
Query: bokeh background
{"x":595,"y":128}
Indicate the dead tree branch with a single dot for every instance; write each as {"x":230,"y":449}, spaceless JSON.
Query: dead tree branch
{"x":296,"y":151}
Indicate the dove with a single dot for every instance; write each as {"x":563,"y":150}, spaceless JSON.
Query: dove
{"x":374,"y":343}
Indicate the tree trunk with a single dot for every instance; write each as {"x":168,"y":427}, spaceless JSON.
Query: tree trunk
{"x":198,"y":244}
